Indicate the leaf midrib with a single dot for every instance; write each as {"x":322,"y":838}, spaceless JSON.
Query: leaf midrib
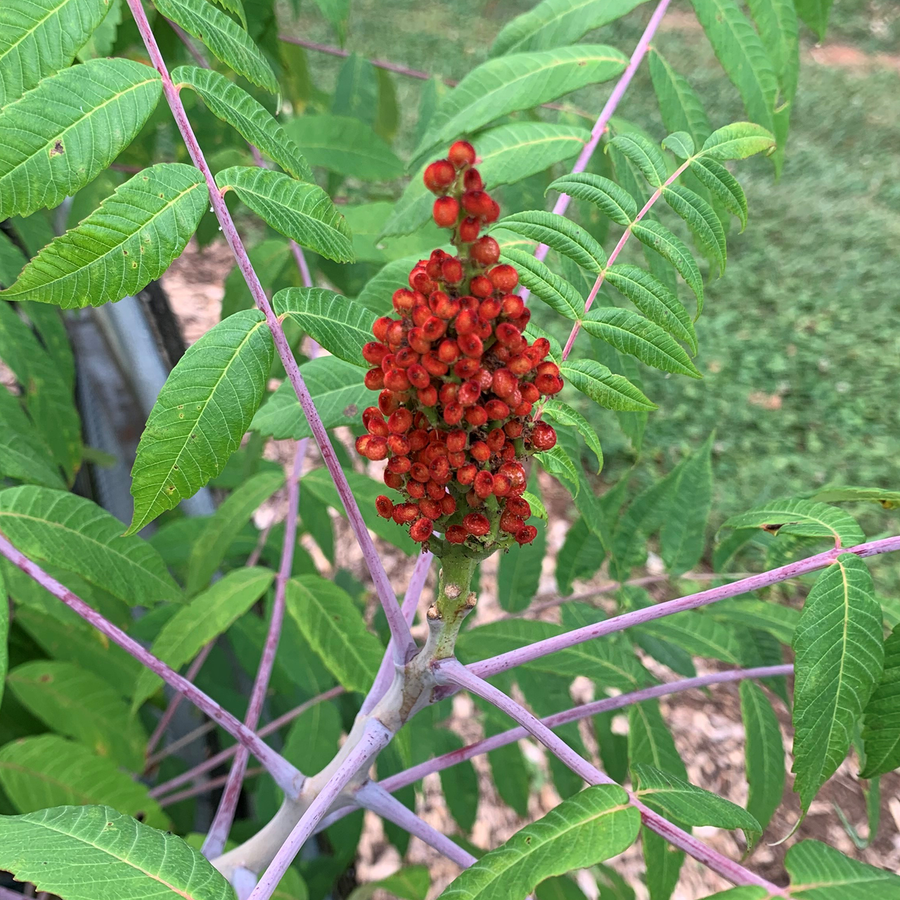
{"x":32,"y":30}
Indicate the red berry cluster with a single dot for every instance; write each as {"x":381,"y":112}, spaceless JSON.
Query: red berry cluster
{"x":458,"y":380}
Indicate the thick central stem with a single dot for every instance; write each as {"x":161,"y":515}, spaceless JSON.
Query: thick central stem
{"x":453,"y":603}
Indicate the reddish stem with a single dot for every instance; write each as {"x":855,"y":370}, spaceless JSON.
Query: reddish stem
{"x":405,"y":646}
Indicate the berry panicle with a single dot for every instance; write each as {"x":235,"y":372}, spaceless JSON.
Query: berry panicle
{"x":458,"y":380}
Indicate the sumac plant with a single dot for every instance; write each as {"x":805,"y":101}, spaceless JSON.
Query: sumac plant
{"x":460,"y":342}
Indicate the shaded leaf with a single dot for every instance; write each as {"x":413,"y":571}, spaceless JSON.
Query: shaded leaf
{"x":763,"y":753}
{"x":603,"y":387}
{"x":556,"y":292}
{"x":803,"y":518}
{"x":24,"y":455}
{"x":723,"y":185}
{"x":565,"y":415}
{"x":818,"y":872}
{"x":671,"y":248}
{"x":702,"y":221}
{"x":679,"y":105}
{"x":815,"y":14}
{"x":881,"y":733}
{"x":580,"y":556}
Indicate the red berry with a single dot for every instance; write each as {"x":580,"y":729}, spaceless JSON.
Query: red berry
{"x":415,"y":489}
{"x":508,"y":334}
{"x":392,"y":480}
{"x":453,"y":413}
{"x":445,"y":212}
{"x":481,"y":287}
{"x":434,"y":327}
{"x":493,"y":214}
{"x":427,"y":396}
{"x":485,"y":251}
{"x":476,"y":524}
{"x":484,"y":485}
{"x":442,"y":305}
{"x":513,"y":429}
{"x":489,"y":308}
{"x":501,"y":485}
{"x":380,"y":327}
{"x":418,"y":376}
{"x":504,"y":278}
{"x":519,"y":507}
{"x":513,"y":306}
{"x":462,"y":154}
{"x":374,"y":352}
{"x":468,"y":229}
{"x":377,"y":448}
{"x":430,"y":508}
{"x":526,"y":534}
{"x":396,"y":380}
{"x":518,"y":365}
{"x":448,"y":505}
{"x":384,"y":506}
{"x":400,"y":421}
{"x":496,"y":409}
{"x":472,"y":180}
{"x":480,"y":451}
{"x":421,"y":530}
{"x":466,"y":474}
{"x":543,"y":437}
{"x":548,"y":384}
{"x":403,"y":300}
{"x":530,"y":394}
{"x":456,"y":534}
{"x":433,"y":365}
{"x":471,"y":346}
{"x":452,"y":271}
{"x":477,"y":203}
{"x":439,"y":175}
{"x":399,"y":465}
{"x":510,"y":523}
{"x":374,"y":379}
{"x":448,"y":351}
{"x":516,"y":475}
{"x":495,"y":440}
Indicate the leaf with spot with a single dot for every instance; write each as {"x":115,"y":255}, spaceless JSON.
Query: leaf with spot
{"x":603,"y":387}
{"x":69,"y":129}
{"x":300,"y":211}
{"x":334,"y":627}
{"x":520,"y":81}
{"x":881,"y":732}
{"x":612,"y":200}
{"x":197,"y":623}
{"x":103,"y":855}
{"x":556,"y":292}
{"x":763,"y":753}
{"x":341,"y":326}
{"x":560,"y":234}
{"x":722,"y":185}
{"x":803,"y":518}
{"x":701,"y":219}
{"x":246,"y":115}
{"x":201,"y":414}
{"x":839,"y":656}
{"x":672,"y":249}
{"x":122,"y":246}
{"x":338,"y":389}
{"x":226,"y":40}
{"x":819,"y":872}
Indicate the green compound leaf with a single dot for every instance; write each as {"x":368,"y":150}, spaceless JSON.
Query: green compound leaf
{"x":763,"y":753}
{"x":300,"y":211}
{"x":225,"y":525}
{"x":334,"y":627}
{"x":613,"y":201}
{"x":507,"y":154}
{"x":207,"y":616}
{"x":701,"y":219}
{"x":345,"y":146}
{"x":81,"y":705}
{"x":671,"y":248}
{"x":738,"y":141}
{"x":631,"y":333}
{"x":679,"y":104}
{"x":76,"y":535}
{"x":126,"y":243}
{"x":803,"y":518}
{"x":644,"y":154}
{"x":48,"y":770}
{"x":556,"y":292}
{"x":69,"y":129}
{"x":678,"y":799}
{"x":40,"y":37}
{"x":838,"y":660}
{"x":100,"y":854}
{"x":341,"y":326}
{"x":723,"y":185}
{"x":656,"y":301}
{"x":558,"y":23}
{"x":561,"y":235}
{"x":226,"y":40}
{"x":594,"y":825}
{"x":881,"y":733}
{"x":521,"y":81}
{"x":742,"y":55}
{"x":339,"y":391}
{"x":603,"y":387}
{"x":565,"y":415}
{"x":246,"y":115}
{"x":201,"y":414}
{"x":819,"y":872}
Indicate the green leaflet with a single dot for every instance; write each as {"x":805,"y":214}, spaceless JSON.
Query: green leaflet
{"x":49,"y":325}
{"x":341,"y":326}
{"x":71,"y":532}
{"x":815,"y":13}
{"x":881,"y":732}
{"x":334,"y":627}
{"x":592,"y":826}
{"x":563,"y":414}
{"x":508,"y":154}
{"x":681,"y":800}
{"x":680,"y":143}
{"x":4,"y":636}
{"x":631,"y":333}
{"x":48,"y":770}
{"x":345,"y":146}
{"x":126,"y":243}
{"x":747,"y":892}
{"x":69,"y":129}
{"x":803,"y":518}
{"x":336,"y":12}
{"x":777,"y":23}
{"x":613,"y":201}
{"x":558,"y":23}
{"x":225,"y":525}
{"x":603,"y":387}
{"x":580,"y":556}
{"x":701,"y":219}
{"x":644,"y":154}
{"x":560,"y":234}
{"x":697,"y":633}
{"x":748,"y":612}
{"x":671,"y":248}
{"x":246,"y":115}
{"x":656,"y":301}
{"x":558,"y":462}
{"x":103,"y":855}
{"x":519,"y":572}
{"x":819,"y":872}
{"x":340,"y":396}
{"x":411,"y":883}
{"x":887,"y":499}
{"x":520,"y":81}
{"x":81,"y":705}
{"x":40,"y":37}
{"x":679,"y":105}
{"x":723,"y":185}
{"x":23,"y":453}
{"x":556,"y":292}
{"x":226,"y":40}
{"x":208,"y":615}
{"x":356,"y":92}
{"x":737,"y":141}
{"x":236,"y":7}
{"x":300,"y":211}
{"x":763,"y":753}
{"x":742,"y":55}
{"x":838,"y":659}
{"x":201,"y":414}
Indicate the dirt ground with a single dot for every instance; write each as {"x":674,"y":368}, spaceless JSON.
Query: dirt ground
{"x":707,"y":729}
